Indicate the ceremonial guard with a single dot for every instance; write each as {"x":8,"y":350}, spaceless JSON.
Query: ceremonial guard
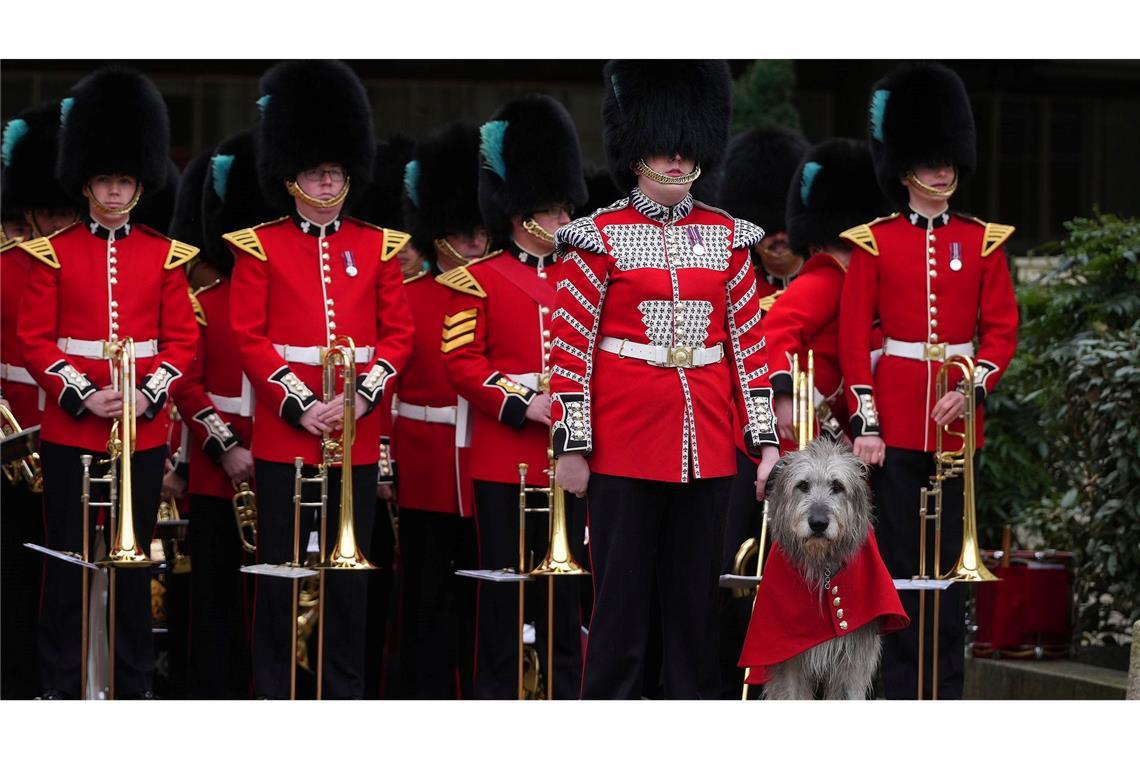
{"x":217,"y":408}
{"x":833,"y":188}
{"x":34,"y":205}
{"x":656,"y":336}
{"x":939,"y":285}
{"x":300,"y":283}
{"x":103,"y":280}
{"x":437,"y":533}
{"x":496,"y":336}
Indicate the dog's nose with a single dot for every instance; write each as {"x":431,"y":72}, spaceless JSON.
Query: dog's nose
{"x":818,"y":522}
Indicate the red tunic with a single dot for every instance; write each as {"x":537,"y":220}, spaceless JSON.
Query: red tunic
{"x":497,"y":320}
{"x":648,"y":274}
{"x":791,"y":617}
{"x":93,"y":284}
{"x":943,"y":280}
{"x":425,"y":450}
{"x":214,"y":379}
{"x":22,"y":396}
{"x":296,"y":284}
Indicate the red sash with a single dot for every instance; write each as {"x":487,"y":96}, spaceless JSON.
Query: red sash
{"x":524,"y":278}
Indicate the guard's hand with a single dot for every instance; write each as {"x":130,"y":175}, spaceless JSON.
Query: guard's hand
{"x":539,"y":409}
{"x":173,"y":486}
{"x":949,"y":408}
{"x":769,"y":455}
{"x":4,"y":403}
{"x":783,"y":409}
{"x":870,"y":449}
{"x":311,"y":419}
{"x":142,"y":403}
{"x":238,"y":464}
{"x":572,"y":474}
{"x":105,"y":403}
{"x":385,"y":492}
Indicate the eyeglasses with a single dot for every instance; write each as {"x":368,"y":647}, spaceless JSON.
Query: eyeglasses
{"x":316,"y":175}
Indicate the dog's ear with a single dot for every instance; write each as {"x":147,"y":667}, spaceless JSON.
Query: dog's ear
{"x":774,"y":476}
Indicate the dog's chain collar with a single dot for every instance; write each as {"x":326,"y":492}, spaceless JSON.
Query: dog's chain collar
{"x":827,"y":580}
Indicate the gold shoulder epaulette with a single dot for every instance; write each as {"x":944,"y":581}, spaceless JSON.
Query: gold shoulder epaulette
{"x":41,"y":248}
{"x":199,"y":312}
{"x":767,"y":302}
{"x":994,"y":237}
{"x":179,"y":254}
{"x":414,"y":277}
{"x":247,"y":241}
{"x":462,"y":280}
{"x":862,"y":237}
{"x":394,"y":241}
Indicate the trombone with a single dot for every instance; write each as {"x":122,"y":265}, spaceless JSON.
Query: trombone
{"x":26,"y":469}
{"x":949,"y":463}
{"x":244,"y":503}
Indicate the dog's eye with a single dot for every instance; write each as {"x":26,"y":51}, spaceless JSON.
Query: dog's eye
{"x":803,"y":486}
{"x":837,"y":487}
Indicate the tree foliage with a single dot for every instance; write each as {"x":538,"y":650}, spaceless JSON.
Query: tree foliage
{"x":763,"y":97}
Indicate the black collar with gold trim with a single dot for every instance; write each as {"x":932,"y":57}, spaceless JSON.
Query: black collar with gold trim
{"x":918,"y":220}
{"x":657,"y":212}
{"x":530,"y":259}
{"x":312,"y":228}
{"x":106,"y":233}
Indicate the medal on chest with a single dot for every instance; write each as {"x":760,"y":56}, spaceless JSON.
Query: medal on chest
{"x":696,"y":242}
{"x":955,"y":257}
{"x":350,"y":264}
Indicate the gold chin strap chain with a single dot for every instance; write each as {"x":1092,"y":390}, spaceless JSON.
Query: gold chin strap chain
{"x":113,"y":211}
{"x":296,"y":191}
{"x":447,"y":250}
{"x":537,"y":230}
{"x":643,"y":169}
{"x":925,"y":189}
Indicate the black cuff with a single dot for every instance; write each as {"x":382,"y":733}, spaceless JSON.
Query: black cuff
{"x":517,"y":399}
{"x":371,"y":385}
{"x":386,"y":467}
{"x":761,"y":427}
{"x":571,"y":433}
{"x":156,"y":386}
{"x":297,"y":399}
{"x":220,"y":435}
{"x":781,"y":382}
{"x":865,"y":420}
{"x":76,"y":387}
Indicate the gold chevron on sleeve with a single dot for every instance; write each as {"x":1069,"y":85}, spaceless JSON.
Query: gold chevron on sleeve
{"x":41,"y":248}
{"x":451,"y":320}
{"x":448,"y":346}
{"x":994,"y":237}
{"x":462,"y":280}
{"x":247,"y":241}
{"x":394,"y":240}
{"x":862,"y":237}
{"x":180,"y":253}
{"x":460,"y":329}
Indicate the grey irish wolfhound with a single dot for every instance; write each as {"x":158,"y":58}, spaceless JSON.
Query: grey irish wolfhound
{"x":820,"y":511}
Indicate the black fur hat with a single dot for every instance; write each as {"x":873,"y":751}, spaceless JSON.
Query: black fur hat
{"x":231,"y":198}
{"x":441,"y":186}
{"x":115,"y":122}
{"x":312,"y":112}
{"x":29,"y":155}
{"x":662,"y":108}
{"x":757,"y":170}
{"x":156,"y":210}
{"x":186,"y":222}
{"x":920,"y":113}
{"x":382,"y":203}
{"x":833,"y":190}
{"x":529,"y":159}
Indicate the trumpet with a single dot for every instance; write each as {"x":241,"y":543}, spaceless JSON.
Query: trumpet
{"x":178,"y":562}
{"x":245,"y":514}
{"x":26,"y":469}
{"x":949,"y":463}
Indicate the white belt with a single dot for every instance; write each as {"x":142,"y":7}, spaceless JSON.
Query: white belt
{"x":94,"y":349}
{"x":14,"y":374}
{"x":228,"y":404}
{"x":445,"y":415}
{"x":930,"y":352}
{"x":664,"y":356}
{"x":312,"y":354}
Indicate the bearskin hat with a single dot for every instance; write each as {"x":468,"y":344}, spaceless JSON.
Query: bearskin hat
{"x":156,"y":209}
{"x":529,"y":158}
{"x":186,"y":221}
{"x":441,"y":186}
{"x":382,"y":203}
{"x":115,"y":122}
{"x":833,"y":190}
{"x":29,"y":154}
{"x":312,"y":112}
{"x":231,"y":198}
{"x":919,"y":114}
{"x":757,"y":170}
{"x":662,"y":108}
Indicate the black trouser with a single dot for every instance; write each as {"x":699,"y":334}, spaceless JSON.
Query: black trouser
{"x":896,"y":487}
{"x":378,"y":655}
{"x":219,"y":637}
{"x":61,"y":610}
{"x":21,"y":520}
{"x":345,"y":608}
{"x":674,"y":531}
{"x":437,"y":610}
{"x":497,"y":636}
